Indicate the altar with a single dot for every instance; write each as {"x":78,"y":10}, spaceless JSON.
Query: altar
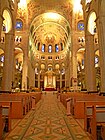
{"x":50,"y":89}
{"x":50,"y":81}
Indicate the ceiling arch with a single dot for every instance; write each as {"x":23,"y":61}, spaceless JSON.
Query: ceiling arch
{"x":49,"y":25}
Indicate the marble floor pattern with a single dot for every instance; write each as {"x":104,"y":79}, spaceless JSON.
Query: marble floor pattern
{"x":48,"y":121}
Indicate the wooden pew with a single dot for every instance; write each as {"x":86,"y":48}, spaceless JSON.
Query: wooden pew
{"x":94,"y":119}
{"x":103,"y":131}
{"x":74,"y":105}
{"x":26,"y":100}
{"x":16,"y":109}
{"x":79,"y":105}
{"x":1,"y":123}
{"x":5,"y":119}
{"x":21,"y":102}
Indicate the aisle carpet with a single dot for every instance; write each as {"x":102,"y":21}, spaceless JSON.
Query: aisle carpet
{"x":48,"y":122}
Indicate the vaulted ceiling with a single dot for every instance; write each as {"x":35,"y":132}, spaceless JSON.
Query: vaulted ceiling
{"x":50,"y":28}
{"x":48,"y":21}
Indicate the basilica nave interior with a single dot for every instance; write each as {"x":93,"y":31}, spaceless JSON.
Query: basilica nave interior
{"x":52,"y":46}
{"x":49,"y":45}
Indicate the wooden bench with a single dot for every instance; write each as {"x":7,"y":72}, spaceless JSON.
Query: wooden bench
{"x":69,"y":108}
{"x":16,"y":109}
{"x":33,"y":102}
{"x":74,"y":105}
{"x":21,"y":102}
{"x":1,"y":125}
{"x":94,"y":118}
{"x":79,"y":105}
{"x":103,"y":131}
{"x":5,"y":119}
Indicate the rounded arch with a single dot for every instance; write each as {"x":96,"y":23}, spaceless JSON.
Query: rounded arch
{"x":57,"y":66}
{"x":21,"y":47}
{"x":18,"y":53}
{"x":80,"y":58}
{"x":43,"y":66}
{"x":91,"y":23}
{"x":7,"y":22}
{"x":80,"y":55}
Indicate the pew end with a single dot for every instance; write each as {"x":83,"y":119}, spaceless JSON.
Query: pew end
{"x":95,"y":120}
{"x":5,"y":120}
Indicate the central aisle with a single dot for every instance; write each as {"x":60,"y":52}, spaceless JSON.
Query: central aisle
{"x":48,"y":122}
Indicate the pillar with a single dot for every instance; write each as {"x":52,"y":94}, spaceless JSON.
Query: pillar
{"x":8,"y":63}
{"x":31,"y":75}
{"x":70,"y":69}
{"x":67,"y":77}
{"x":38,"y":80}
{"x":90,"y":63}
{"x":60,"y":80}
{"x":24,"y":73}
{"x":74,"y":80}
{"x":1,"y":22}
{"x":101,"y":36}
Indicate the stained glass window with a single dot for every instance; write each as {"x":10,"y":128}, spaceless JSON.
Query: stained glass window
{"x":81,"y":26}
{"x":43,"y":48}
{"x":96,"y":59}
{"x":49,"y":48}
{"x":19,"y":25}
{"x":56,"y":48}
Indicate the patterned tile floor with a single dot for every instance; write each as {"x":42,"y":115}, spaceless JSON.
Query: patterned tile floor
{"x":48,"y":122}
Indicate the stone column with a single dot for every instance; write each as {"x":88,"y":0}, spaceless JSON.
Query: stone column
{"x":60,"y":80}
{"x":38,"y":80}
{"x":101,"y":36}
{"x":74,"y":71}
{"x":24,"y":72}
{"x":67,"y":77}
{"x":90,"y":63}
{"x":35,"y":78}
{"x":1,"y":22}
{"x":31,"y":75}
{"x":70,"y":69}
{"x":8,"y":62}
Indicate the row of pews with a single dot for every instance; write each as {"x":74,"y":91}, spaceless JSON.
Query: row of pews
{"x":15,"y":106}
{"x":90,"y":108}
